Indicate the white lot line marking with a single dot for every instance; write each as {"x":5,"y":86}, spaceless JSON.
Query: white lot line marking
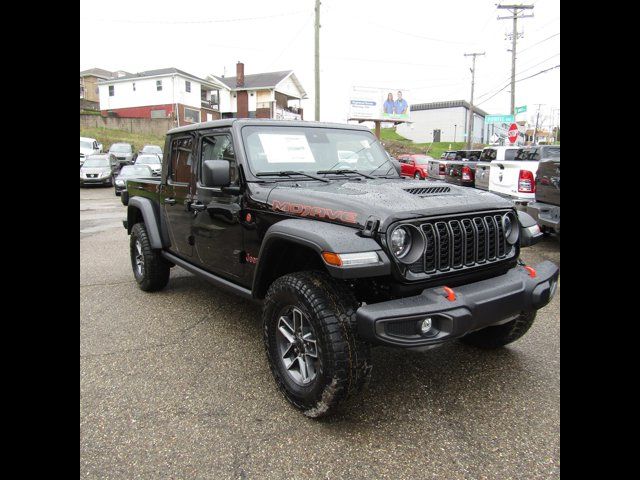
{"x":104,"y":206}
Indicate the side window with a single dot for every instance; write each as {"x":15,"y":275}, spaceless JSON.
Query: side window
{"x":181,"y":160}
{"x":510,"y":153}
{"x":219,"y":147}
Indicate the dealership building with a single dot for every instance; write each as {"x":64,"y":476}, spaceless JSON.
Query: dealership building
{"x":443,"y":122}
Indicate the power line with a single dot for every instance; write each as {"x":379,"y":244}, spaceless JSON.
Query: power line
{"x":520,"y":80}
{"x":538,"y":43}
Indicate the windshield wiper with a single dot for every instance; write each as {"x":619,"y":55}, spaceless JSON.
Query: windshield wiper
{"x":290,"y":173}
{"x":343,"y":171}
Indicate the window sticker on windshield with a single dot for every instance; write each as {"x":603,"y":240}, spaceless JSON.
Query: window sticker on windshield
{"x":291,"y":148}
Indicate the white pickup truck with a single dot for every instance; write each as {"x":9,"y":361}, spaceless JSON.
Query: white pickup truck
{"x":512,"y":170}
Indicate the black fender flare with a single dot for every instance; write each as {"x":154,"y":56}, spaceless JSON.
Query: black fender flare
{"x":528,"y":235}
{"x":322,"y":237}
{"x":151,"y":219}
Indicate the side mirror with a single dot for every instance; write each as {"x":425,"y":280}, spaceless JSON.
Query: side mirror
{"x":216,"y":173}
{"x":530,"y":232}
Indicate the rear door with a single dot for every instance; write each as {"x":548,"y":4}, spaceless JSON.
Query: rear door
{"x":176,"y":195}
{"x":483,"y":168}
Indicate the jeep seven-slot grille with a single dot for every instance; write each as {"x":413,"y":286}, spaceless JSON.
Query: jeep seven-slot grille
{"x":462,"y":242}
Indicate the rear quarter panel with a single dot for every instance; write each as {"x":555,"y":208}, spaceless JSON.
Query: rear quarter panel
{"x":482,"y":175}
{"x":504,"y":175}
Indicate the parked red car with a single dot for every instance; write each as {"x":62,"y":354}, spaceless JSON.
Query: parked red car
{"x":414,"y":165}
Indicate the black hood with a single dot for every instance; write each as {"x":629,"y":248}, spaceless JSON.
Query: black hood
{"x":354,"y":201}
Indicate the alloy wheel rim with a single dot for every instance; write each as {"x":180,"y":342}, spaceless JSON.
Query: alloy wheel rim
{"x":297,"y":346}
{"x":139,"y":258}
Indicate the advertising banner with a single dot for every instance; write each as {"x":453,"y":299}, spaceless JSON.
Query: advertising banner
{"x":370,"y":103}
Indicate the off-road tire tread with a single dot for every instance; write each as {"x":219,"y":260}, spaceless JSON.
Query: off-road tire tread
{"x":501,"y":335}
{"x":346,"y":358}
{"x":156,"y":268}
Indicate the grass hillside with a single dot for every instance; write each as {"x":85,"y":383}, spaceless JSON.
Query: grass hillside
{"x":108,"y":136}
{"x":397,"y":145}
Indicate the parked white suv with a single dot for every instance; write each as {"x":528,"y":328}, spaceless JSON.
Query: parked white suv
{"x":88,"y":146}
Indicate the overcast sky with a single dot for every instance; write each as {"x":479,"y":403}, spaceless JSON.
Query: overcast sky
{"x":416,"y":46}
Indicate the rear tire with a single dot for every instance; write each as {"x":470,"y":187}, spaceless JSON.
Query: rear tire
{"x":500,"y":335}
{"x":336,"y":363}
{"x":150,"y":269}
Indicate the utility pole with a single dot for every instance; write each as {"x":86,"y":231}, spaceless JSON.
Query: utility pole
{"x":473,"y":77}
{"x":514,"y":9}
{"x":535,"y":131}
{"x":317,"y":33}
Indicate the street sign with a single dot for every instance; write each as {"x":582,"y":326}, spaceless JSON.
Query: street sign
{"x":498,"y":119}
{"x":513,"y":133}
{"x":521,"y":109}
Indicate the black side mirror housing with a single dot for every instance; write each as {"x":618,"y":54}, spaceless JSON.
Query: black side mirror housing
{"x":216,"y":173}
{"x":530,"y":232}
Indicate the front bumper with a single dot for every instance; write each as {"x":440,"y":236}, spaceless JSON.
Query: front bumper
{"x":477,"y":305}
{"x":95,"y":181}
{"x":546,"y":215}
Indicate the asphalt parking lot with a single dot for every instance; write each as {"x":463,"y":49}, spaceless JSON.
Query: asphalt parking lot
{"x":175,"y":384}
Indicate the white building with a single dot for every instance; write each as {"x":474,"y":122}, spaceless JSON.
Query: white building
{"x":162,"y":93}
{"x":443,"y":122}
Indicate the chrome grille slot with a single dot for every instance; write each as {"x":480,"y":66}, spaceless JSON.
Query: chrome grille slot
{"x":430,"y":252}
{"x":469,"y":242}
{"x":491,"y":237}
{"x":501,"y":242}
{"x":481,"y":244}
{"x":444,"y":244}
{"x":457,"y":243}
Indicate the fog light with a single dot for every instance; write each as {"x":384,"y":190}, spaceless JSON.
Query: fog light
{"x":425,"y":325}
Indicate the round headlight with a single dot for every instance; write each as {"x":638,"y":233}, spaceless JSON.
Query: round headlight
{"x":400,"y":242}
{"x":510,"y":227}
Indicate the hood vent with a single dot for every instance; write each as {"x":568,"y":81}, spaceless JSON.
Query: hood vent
{"x":428,"y":190}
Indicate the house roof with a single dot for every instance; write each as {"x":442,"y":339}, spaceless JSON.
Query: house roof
{"x":97,"y":72}
{"x":160,"y":72}
{"x":447,"y":104}
{"x":261,"y":80}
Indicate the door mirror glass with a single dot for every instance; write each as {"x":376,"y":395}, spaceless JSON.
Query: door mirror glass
{"x":216,"y":173}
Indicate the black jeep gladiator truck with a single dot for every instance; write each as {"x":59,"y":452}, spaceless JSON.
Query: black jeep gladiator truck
{"x":343,"y":255}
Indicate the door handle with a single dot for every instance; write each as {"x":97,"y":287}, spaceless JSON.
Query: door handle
{"x":197,"y":207}
{"x":170,"y":201}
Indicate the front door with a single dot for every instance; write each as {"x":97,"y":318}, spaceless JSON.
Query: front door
{"x":217,"y":229}
{"x":176,"y":195}
{"x":436,"y":135}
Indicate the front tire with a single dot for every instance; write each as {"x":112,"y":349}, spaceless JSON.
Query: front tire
{"x":309,"y":333}
{"x":150,"y":269}
{"x":501,"y":335}
{"x":417,"y":176}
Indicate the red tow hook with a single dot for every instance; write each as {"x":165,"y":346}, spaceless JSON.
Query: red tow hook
{"x":450,"y":294}
{"x":531,"y":270}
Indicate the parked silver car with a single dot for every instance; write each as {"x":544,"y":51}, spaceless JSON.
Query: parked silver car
{"x":153,"y":161}
{"x":96,"y":170}
{"x":129,"y":171}
{"x":121,"y":154}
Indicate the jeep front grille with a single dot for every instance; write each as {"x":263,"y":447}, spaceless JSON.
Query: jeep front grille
{"x":462,"y":242}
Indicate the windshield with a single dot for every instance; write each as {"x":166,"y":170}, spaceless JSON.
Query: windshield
{"x":135,"y":170}
{"x":152,"y":149}
{"x":312,"y":149}
{"x":86,"y":145}
{"x":120,"y":148}
{"x":147,"y":159}
{"x":96,"y":162}
{"x":551,"y":152}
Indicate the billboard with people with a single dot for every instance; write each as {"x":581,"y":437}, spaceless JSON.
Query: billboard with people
{"x":385,"y":104}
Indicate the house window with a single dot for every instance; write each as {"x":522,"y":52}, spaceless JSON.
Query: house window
{"x":192,"y":116}
{"x":111,"y":90}
{"x":134,"y":86}
{"x":187,"y":86}
{"x":159,"y":85}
